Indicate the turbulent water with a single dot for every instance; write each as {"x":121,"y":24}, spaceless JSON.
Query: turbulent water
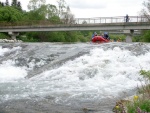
{"x":69,"y":78}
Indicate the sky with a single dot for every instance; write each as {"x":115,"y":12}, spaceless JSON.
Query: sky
{"x":98,"y":8}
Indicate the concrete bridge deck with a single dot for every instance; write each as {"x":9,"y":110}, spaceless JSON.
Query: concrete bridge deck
{"x":98,"y":23}
{"x":78,"y":27}
{"x":79,"y":24}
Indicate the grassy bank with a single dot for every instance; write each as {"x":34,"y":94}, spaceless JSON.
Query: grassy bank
{"x":139,"y":103}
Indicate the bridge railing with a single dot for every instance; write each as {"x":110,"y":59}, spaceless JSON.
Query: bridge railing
{"x":118,"y":19}
{"x":96,"y":20}
{"x":26,"y":23}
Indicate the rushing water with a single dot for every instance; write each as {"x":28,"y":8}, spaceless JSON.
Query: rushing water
{"x":66,"y":78}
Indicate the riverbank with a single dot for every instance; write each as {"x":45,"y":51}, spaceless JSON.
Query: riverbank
{"x":10,"y":41}
{"x":140,"y":102}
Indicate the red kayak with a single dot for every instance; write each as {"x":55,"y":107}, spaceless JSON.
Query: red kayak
{"x":99,"y":39}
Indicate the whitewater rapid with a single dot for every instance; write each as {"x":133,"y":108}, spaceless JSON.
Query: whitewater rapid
{"x":71,"y":74}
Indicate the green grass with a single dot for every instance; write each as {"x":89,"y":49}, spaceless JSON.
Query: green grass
{"x":141,"y":102}
{"x":3,"y":36}
{"x":142,"y":105}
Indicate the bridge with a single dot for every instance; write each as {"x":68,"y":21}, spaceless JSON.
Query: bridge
{"x":79,"y":24}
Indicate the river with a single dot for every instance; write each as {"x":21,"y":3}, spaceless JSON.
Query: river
{"x":69,"y":78}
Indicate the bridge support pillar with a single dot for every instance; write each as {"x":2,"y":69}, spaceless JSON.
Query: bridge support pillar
{"x":13,"y":35}
{"x":129,"y":34}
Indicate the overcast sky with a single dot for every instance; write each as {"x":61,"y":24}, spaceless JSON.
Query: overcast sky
{"x":98,"y":8}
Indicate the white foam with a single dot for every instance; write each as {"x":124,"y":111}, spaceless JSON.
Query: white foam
{"x":3,"y":51}
{"x":6,"y":50}
{"x":9,"y":72}
{"x":99,"y":74}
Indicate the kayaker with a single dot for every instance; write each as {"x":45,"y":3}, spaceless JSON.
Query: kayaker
{"x":94,"y":34}
{"x":106,"y":35}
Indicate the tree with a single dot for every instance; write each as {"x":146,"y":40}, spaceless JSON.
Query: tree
{"x":55,"y":20}
{"x":51,"y":11}
{"x":33,"y":16}
{"x":84,"y":22}
{"x":146,"y":36}
{"x":64,"y":12}
{"x":42,"y":12}
{"x":10,"y":14}
{"x":61,"y":7}
{"x":14,"y":3}
{"x":35,"y":4}
{"x":7,"y":3}
{"x":146,"y":10}
{"x":68,"y":17}
{"x":19,"y":6}
{"x":1,"y":4}
{"x":37,"y":13}
{"x":52,"y":14}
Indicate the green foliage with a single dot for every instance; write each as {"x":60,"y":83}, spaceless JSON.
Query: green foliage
{"x":33,"y":15}
{"x":144,"y":106}
{"x":1,"y":4}
{"x":145,"y":88}
{"x":56,"y":37}
{"x":42,"y":13}
{"x":146,"y":36}
{"x":45,"y":36}
{"x":55,"y":20}
{"x":32,"y":36}
{"x":35,"y":4}
{"x":18,"y":6}
{"x":10,"y":14}
{"x":14,"y":3}
{"x":117,"y":37}
{"x":7,"y":3}
{"x":4,"y":36}
{"x":146,"y":74}
{"x":52,"y":11}
{"x":85,"y":36}
{"x":136,"y":39}
{"x":72,"y":36}
{"x":83,"y":39}
{"x":24,"y":38}
{"x":86,"y":33}
{"x":61,"y":7}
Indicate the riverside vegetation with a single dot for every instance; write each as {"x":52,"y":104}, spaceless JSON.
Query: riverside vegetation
{"x":140,"y":103}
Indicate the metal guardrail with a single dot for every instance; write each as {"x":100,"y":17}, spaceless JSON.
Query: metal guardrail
{"x":117,"y":19}
{"x":26,"y":23}
{"x":96,"y":20}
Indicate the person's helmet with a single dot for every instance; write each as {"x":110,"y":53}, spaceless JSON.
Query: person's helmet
{"x":106,"y":33}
